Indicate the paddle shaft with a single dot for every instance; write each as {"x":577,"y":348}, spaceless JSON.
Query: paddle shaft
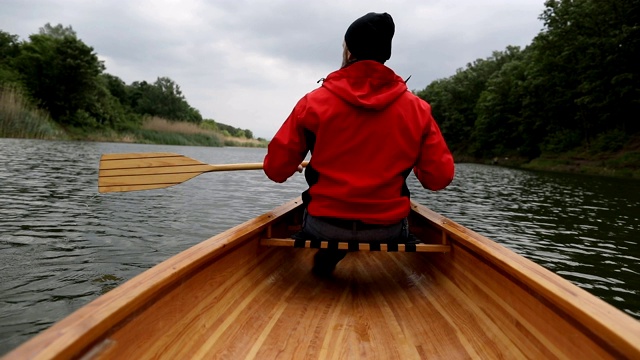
{"x":241,"y":166}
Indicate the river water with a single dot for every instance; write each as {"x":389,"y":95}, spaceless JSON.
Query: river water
{"x":62,"y":244}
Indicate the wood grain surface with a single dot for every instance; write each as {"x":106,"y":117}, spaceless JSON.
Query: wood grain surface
{"x":146,"y":171}
{"x":232,"y":298}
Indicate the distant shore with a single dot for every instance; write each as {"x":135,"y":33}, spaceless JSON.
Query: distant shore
{"x":19,"y":118}
{"x":621,"y":164}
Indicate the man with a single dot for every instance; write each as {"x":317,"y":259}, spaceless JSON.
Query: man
{"x":366,"y":132}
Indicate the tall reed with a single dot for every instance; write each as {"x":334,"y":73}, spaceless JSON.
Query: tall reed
{"x":159,"y":124}
{"x":20,"y":119}
{"x":161,"y":131}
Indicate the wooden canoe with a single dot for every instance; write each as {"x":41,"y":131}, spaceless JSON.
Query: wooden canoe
{"x":239,"y":295}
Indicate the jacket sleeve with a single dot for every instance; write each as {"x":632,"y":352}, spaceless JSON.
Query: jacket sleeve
{"x":435,"y":167}
{"x":288,"y":147}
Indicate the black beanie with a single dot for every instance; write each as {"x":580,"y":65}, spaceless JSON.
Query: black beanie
{"x":369,"y":37}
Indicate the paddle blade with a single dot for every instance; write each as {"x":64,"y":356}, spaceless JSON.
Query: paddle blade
{"x":144,"y":171}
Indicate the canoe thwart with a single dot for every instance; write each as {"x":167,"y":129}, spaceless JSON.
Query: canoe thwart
{"x":355,"y":246}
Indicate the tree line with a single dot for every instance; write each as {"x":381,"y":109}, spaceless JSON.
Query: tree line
{"x":577,"y":85}
{"x":62,"y":75}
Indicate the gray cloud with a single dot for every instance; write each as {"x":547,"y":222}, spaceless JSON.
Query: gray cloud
{"x":246,"y":63}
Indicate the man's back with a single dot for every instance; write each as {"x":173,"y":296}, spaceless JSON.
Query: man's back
{"x":366,"y":129}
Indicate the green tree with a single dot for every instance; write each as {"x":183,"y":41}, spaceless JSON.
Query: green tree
{"x":58,"y":31}
{"x":9,"y":46}
{"x":117,"y":88}
{"x":108,"y":107}
{"x":585,"y":65}
{"x":454,"y":100}
{"x":61,"y":72}
{"x":210,"y":124}
{"x":9,"y":50}
{"x":501,"y":128}
{"x":164,"y":99}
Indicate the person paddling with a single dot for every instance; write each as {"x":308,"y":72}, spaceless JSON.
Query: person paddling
{"x":366,"y":133}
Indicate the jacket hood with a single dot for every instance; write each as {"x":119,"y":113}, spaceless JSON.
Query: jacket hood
{"x":366,"y":84}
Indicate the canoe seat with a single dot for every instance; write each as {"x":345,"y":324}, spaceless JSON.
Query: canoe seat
{"x":355,"y":246}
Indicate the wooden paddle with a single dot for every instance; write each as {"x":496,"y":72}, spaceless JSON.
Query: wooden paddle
{"x":144,"y":171}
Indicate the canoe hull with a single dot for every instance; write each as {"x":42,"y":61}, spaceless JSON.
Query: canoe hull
{"x":230,"y":297}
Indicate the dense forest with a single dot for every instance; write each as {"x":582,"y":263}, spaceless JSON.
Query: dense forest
{"x":575,"y":89}
{"x":54,"y":82}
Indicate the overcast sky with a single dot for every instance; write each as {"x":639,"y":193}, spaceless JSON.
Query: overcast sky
{"x":246,"y":63}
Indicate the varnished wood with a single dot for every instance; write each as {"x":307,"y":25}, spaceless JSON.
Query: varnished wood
{"x":229,"y":297}
{"x":144,"y":171}
{"x":361,"y":247}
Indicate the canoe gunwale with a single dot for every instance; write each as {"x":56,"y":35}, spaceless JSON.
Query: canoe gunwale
{"x":608,"y":326}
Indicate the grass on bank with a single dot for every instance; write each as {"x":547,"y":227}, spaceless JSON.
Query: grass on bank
{"x":624,"y":162}
{"x":621,"y":160}
{"x":158,"y":130}
{"x":19,"y":119}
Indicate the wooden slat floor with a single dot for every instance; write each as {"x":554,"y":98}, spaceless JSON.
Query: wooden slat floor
{"x":263,"y":303}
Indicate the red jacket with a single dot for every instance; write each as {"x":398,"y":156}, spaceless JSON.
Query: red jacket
{"x":366,"y":132}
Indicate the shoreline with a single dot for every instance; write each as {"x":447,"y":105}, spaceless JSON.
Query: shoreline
{"x":623,"y":165}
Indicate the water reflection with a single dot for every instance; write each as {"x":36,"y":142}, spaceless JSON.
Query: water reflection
{"x":62,"y":244}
